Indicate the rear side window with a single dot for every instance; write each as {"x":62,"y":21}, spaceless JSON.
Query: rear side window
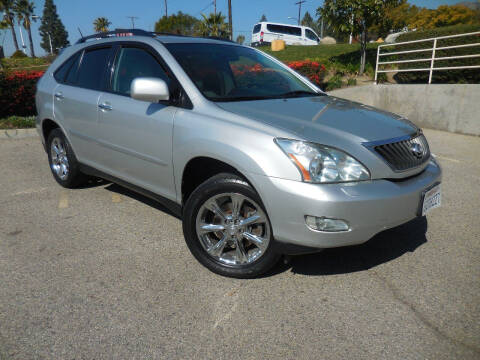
{"x":257,"y":28}
{"x":62,"y":71}
{"x":282,"y":29}
{"x":73,"y":71}
{"x":133,"y":63}
{"x":92,"y":68}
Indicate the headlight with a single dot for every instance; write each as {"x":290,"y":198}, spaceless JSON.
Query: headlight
{"x":322,"y":164}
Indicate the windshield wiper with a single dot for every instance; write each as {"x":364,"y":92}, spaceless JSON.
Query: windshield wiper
{"x":298,"y":93}
{"x":242,"y":98}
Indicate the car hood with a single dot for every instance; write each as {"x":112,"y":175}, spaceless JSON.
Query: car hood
{"x":324,"y":117}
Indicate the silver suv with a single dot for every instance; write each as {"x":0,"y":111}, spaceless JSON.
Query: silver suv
{"x":256,"y":160}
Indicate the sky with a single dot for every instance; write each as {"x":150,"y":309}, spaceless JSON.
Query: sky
{"x":246,"y":13}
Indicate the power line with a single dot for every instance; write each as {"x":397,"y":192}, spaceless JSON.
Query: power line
{"x":132,"y":18}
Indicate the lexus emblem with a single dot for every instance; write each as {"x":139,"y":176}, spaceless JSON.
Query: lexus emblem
{"x":417,"y":150}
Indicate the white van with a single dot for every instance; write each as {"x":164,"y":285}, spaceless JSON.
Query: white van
{"x":265,"y":32}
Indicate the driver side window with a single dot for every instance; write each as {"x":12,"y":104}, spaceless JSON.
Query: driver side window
{"x":133,"y":63}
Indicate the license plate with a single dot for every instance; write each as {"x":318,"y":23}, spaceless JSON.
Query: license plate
{"x":432,"y":199}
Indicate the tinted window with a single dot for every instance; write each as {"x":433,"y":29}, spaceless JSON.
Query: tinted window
{"x":73,"y":71}
{"x":282,"y":29}
{"x":133,"y":63}
{"x":62,"y":71}
{"x":91,"y":70}
{"x":310,"y":35}
{"x":256,"y":28}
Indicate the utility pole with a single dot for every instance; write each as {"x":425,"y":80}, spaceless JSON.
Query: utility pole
{"x":230,"y":26}
{"x":166,"y":9}
{"x":299,"y":3}
{"x":132,"y":18}
{"x":215,"y":7}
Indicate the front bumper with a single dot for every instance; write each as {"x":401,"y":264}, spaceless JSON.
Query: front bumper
{"x":368,"y":206}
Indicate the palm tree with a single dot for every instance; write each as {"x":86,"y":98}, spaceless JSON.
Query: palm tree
{"x":24,"y":10}
{"x":101,"y":24}
{"x":214,"y":25}
{"x":6,"y":6}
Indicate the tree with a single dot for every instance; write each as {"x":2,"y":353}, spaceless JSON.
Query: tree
{"x":53,"y":26}
{"x":443,"y":16}
{"x":101,"y":24}
{"x":240,"y":39}
{"x":179,"y":23}
{"x":355,"y":17}
{"x":396,"y":19}
{"x":311,"y":23}
{"x":24,"y":10}
{"x":7,"y":7}
{"x":263,"y":18}
{"x":307,"y":20}
{"x":214,"y":25}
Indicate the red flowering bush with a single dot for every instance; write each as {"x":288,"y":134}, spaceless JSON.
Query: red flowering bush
{"x":17,"y":93}
{"x":312,"y":70}
{"x":250,"y":75}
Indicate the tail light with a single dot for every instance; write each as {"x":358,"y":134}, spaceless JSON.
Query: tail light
{"x":261,"y":36}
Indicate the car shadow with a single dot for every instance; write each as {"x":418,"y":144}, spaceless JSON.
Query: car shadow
{"x":139,"y":197}
{"x":383,"y":247}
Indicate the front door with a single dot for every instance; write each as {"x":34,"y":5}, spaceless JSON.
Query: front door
{"x":136,"y":136}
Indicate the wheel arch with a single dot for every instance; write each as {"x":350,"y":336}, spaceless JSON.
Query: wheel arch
{"x":200,"y":168}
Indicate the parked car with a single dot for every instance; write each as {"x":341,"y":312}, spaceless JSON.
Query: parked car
{"x":256,"y":160}
{"x":264,"y":33}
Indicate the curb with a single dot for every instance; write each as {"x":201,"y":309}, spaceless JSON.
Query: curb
{"x":17,"y":133}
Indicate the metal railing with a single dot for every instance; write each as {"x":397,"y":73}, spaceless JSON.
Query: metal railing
{"x":431,"y":59}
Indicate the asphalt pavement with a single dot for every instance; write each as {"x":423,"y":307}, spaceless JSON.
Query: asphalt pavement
{"x":103,"y":273}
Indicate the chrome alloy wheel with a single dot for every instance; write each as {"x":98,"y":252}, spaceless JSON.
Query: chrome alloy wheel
{"x":58,"y":153}
{"x":233,"y":229}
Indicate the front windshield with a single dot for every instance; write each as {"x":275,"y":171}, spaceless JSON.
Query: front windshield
{"x":234,"y":73}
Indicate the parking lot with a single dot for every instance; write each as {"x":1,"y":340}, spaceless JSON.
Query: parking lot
{"x":101,"y":272}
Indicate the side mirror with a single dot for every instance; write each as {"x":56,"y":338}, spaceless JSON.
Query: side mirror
{"x":149,"y":89}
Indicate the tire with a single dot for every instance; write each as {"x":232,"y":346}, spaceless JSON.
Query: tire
{"x":62,"y":160}
{"x":230,"y":242}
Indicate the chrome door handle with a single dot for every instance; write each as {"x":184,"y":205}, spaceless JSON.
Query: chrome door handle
{"x":105,"y":107}
{"x":59,"y":96}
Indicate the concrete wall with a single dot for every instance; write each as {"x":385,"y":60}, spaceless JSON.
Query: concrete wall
{"x":450,"y":107}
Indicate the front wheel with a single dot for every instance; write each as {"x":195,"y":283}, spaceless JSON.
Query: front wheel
{"x":227,"y":228}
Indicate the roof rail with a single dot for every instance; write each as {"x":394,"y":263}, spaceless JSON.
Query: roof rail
{"x":116,"y":33}
{"x":219,"y":38}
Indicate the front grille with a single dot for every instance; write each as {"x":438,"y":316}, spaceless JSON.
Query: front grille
{"x":405,"y":154}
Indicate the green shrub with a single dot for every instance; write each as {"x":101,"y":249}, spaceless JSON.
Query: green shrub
{"x":335,"y":82}
{"x":442,"y":76}
{"x":351,"y":82}
{"x":19,"y":54}
{"x":17,"y":122}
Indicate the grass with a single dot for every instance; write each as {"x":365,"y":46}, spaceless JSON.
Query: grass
{"x":341,"y":60}
{"x":28,"y":63}
{"x":320,"y":53}
{"x":17,"y":122}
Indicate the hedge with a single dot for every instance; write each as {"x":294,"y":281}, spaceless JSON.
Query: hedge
{"x":17,"y":93}
{"x":471,"y":76}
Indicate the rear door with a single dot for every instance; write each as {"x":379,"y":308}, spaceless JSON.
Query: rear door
{"x":136,"y":136}
{"x":76,"y":101}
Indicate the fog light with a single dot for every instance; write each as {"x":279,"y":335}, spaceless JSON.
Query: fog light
{"x":326,"y":224}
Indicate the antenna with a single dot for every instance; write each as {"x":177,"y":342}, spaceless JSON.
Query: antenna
{"x":132,"y":18}
{"x":80,"y":31}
